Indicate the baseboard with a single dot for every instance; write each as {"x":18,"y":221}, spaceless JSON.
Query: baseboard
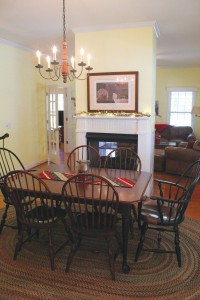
{"x":33,"y":165}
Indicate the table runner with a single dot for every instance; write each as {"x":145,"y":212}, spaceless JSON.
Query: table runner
{"x":116,"y":181}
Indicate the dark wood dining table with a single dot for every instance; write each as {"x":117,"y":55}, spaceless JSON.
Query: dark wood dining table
{"x":127,"y":195}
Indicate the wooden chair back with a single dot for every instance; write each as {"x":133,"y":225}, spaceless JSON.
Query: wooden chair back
{"x":32,"y":199}
{"x":8,"y":162}
{"x":92,"y":203}
{"x":123,"y":158}
{"x":35,"y":209}
{"x":3,"y":137}
{"x":84,"y":152}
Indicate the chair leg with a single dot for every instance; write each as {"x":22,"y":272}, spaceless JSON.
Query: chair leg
{"x":131,"y":221}
{"x":3,"y":220}
{"x":177,"y":245}
{"x":68,"y":230}
{"x":74,"y":247}
{"x":142,"y":238}
{"x":51,"y":249}
{"x":135,"y":213}
{"x":111,"y":258}
{"x":139,"y":214}
{"x":159,"y":239}
{"x":29,"y":233}
{"x":19,"y":242}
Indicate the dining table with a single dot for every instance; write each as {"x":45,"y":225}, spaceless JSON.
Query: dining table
{"x":130,"y":185}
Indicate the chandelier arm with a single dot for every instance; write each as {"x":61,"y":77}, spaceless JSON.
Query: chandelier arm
{"x":78,"y":77}
{"x":47,"y":78}
{"x":70,"y":77}
{"x":56,"y":68}
{"x":81,"y":71}
{"x":54,"y":78}
{"x":82,"y":78}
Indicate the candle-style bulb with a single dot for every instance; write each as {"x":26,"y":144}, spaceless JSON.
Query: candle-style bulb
{"x":48,"y":62}
{"x":88,"y":59}
{"x":82,"y":52}
{"x":72,"y":61}
{"x":54,"y":52}
{"x":38,"y":54}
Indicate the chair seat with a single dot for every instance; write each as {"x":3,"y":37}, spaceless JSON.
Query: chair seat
{"x":151,"y":215}
{"x":46,"y":215}
{"x":149,"y":202}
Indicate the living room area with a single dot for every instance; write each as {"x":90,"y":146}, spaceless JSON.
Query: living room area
{"x":176,"y":121}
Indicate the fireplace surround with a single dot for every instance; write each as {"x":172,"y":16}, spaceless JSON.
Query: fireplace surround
{"x":116,"y":125}
{"x":140,"y":126}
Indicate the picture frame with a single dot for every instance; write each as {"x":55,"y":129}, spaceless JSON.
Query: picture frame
{"x":113,"y":92}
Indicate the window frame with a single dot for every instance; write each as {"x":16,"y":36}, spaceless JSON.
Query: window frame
{"x":183,"y":89}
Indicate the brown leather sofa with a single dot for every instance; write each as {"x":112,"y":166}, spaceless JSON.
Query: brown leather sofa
{"x":176,"y":134}
{"x":177,"y":159}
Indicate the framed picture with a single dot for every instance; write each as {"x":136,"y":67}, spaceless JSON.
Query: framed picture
{"x":116,"y":91}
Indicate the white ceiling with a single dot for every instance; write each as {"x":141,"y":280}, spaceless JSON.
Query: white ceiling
{"x":38,"y":23}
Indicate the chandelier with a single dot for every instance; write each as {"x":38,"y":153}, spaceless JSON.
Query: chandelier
{"x":68,"y":71}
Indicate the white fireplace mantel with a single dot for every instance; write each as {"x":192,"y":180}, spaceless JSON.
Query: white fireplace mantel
{"x":120,"y":125}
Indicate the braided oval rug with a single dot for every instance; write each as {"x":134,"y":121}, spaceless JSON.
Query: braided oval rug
{"x":153,"y":277}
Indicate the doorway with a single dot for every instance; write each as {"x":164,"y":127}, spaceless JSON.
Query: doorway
{"x":60,"y":108}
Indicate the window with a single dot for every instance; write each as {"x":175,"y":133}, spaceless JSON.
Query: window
{"x":180,"y":106}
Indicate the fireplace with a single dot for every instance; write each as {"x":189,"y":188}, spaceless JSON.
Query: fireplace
{"x":106,"y":142}
{"x":138,"y":128}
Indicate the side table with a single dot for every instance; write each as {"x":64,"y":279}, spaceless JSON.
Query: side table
{"x":163,"y":145}
{"x":159,"y":159}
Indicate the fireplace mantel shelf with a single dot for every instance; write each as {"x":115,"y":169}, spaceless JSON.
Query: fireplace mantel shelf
{"x":112,"y":117}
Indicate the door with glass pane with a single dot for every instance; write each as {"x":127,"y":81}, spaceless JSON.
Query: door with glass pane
{"x":60,"y":122}
{"x":52,"y":124}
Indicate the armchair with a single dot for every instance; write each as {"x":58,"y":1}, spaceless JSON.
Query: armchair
{"x":164,"y":212}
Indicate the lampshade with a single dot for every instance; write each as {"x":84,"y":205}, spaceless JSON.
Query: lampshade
{"x":196,"y":111}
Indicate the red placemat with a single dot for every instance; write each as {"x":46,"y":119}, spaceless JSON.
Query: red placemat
{"x":116,"y":181}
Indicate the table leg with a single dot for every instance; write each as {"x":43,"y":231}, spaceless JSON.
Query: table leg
{"x":125,"y":232}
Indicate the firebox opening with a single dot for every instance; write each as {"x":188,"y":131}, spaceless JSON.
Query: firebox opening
{"x":106,"y":142}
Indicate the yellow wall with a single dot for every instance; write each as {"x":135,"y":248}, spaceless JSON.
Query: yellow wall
{"x":130,"y":49}
{"x":173,"y":78}
{"x":22,"y":105}
{"x":23,"y":90}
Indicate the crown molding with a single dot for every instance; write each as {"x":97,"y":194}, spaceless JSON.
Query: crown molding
{"x":15,"y":45}
{"x":152,"y":24}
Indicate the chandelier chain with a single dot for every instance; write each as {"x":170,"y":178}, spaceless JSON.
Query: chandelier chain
{"x":64,"y":26}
